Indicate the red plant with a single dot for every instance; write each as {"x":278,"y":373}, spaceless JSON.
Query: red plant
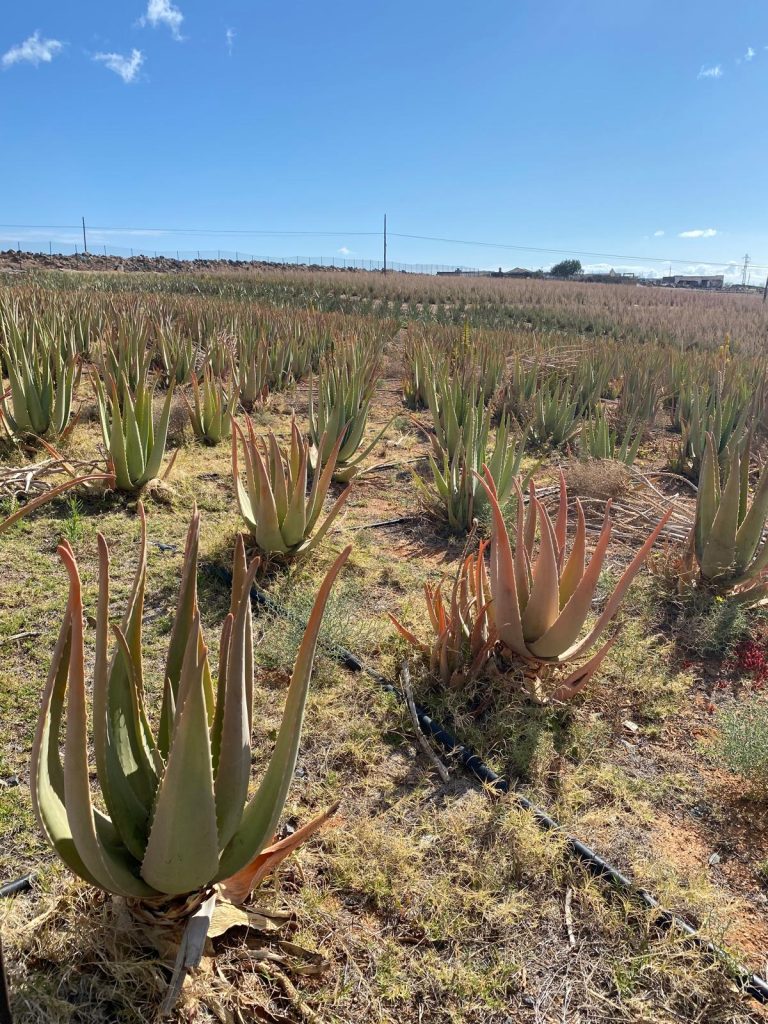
{"x":751,"y":657}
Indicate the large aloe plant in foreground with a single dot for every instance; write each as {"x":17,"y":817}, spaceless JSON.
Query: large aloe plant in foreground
{"x":727,"y":542}
{"x":178,"y":815}
{"x":542,"y":596}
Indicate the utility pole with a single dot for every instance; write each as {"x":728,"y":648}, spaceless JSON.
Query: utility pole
{"x":85,"y":242}
{"x":385,"y":243}
{"x":744,"y":269}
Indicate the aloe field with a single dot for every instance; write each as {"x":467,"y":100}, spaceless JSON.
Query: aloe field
{"x":282,"y":550}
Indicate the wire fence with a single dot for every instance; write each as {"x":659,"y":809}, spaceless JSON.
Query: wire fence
{"x":193,"y":256}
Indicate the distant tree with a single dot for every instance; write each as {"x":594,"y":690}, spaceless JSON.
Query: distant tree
{"x":566,"y":268}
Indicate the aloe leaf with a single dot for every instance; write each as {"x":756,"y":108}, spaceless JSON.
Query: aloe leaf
{"x":111,"y":865}
{"x":156,"y":449}
{"x":543,"y":605}
{"x":186,"y":609}
{"x":182,"y":849}
{"x":263,"y":810}
{"x":234,"y":747}
{"x":502,"y":574}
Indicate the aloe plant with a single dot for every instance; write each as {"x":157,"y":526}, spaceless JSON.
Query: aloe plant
{"x":463,"y":626}
{"x":455,"y":477}
{"x":421,"y":365}
{"x":598,"y":441}
{"x":555,"y":417}
{"x":727,"y":542}
{"x":487,"y":369}
{"x":263,"y":364}
{"x":126,"y":355}
{"x":339,"y":414}
{"x":273,"y":501}
{"x":220,"y":355}
{"x":520,"y":389}
{"x":175,"y":353}
{"x":135,"y":446}
{"x":177,"y":816}
{"x":590,"y":380}
{"x":640,"y":396}
{"x":542,"y":599}
{"x":252,"y":374}
{"x":213,"y":409}
{"x":452,"y":403}
{"x":724,"y":419}
{"x":42,"y":378}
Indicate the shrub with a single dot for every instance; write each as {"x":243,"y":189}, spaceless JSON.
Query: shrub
{"x":742,"y":743}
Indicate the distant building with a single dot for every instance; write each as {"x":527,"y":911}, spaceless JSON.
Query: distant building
{"x":463,"y":272}
{"x":515,"y":272}
{"x":693,"y":281}
{"x":611,"y":277}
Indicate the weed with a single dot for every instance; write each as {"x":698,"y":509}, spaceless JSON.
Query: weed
{"x":742,"y":742}
{"x":73,"y":527}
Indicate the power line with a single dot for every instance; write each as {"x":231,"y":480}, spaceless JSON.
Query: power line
{"x":573,"y":252}
{"x":291,"y":233}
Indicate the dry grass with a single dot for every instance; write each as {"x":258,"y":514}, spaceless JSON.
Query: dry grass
{"x":602,"y":479}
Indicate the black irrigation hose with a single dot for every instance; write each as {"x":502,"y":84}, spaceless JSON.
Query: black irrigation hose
{"x":19,"y":885}
{"x":751,"y":984}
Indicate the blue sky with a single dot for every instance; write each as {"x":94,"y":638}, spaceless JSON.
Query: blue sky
{"x":577,"y":125}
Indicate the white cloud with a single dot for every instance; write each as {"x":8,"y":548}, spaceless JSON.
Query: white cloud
{"x":698,"y":233}
{"x":229,"y":35}
{"x":33,"y":50}
{"x":126,"y":67}
{"x":163,"y":12}
{"x":749,"y":54}
{"x":344,"y":251}
{"x":658,"y":234}
{"x":715,"y":71}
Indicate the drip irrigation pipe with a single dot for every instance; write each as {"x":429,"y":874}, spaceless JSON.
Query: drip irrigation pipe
{"x":19,"y":885}
{"x":751,"y":984}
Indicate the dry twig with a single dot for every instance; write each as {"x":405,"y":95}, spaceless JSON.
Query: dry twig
{"x":405,"y":678}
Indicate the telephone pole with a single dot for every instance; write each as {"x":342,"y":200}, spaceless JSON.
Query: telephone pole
{"x":385,"y":243}
{"x":85,"y":242}
{"x":744,"y":269}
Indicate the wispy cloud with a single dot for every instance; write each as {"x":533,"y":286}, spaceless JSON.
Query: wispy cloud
{"x":163,"y":12}
{"x":229,"y":36}
{"x":126,"y":67}
{"x":713,"y":71}
{"x":344,"y":251}
{"x":658,"y":234}
{"x":33,"y":50}
{"x":749,"y":54}
{"x":698,"y":233}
